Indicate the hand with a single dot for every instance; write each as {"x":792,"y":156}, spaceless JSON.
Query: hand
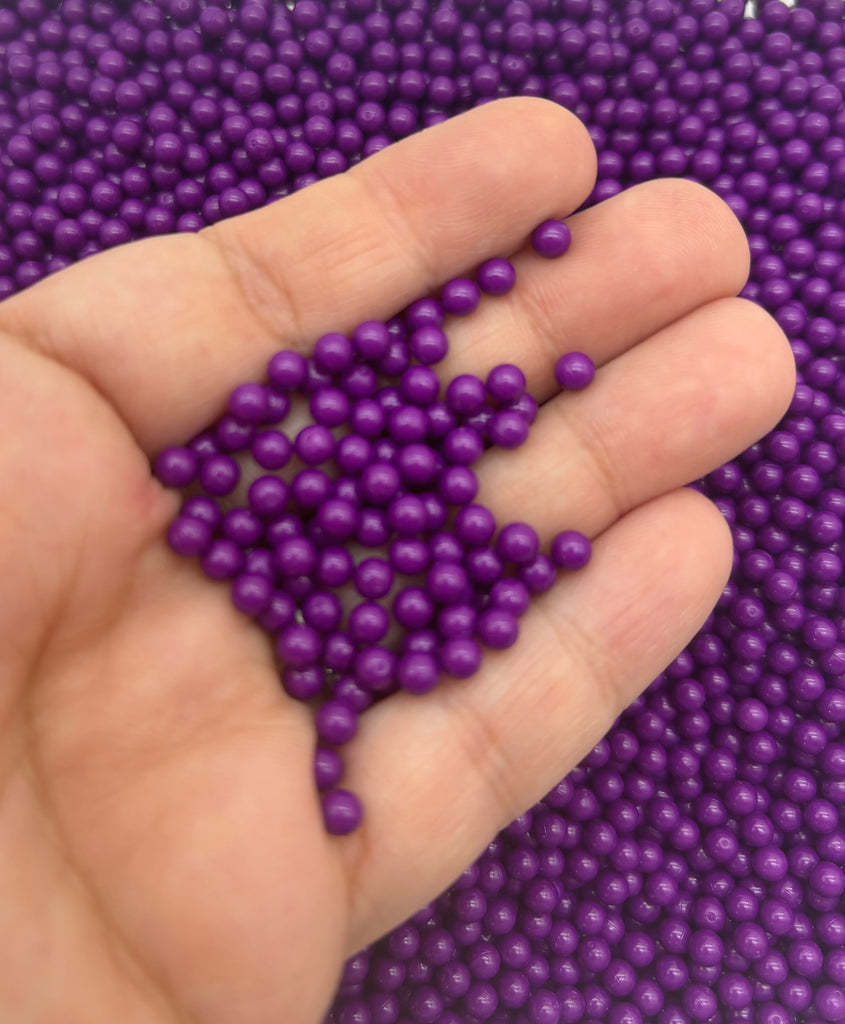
{"x":163,"y":855}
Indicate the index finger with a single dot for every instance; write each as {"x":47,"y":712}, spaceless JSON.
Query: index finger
{"x":164,"y":328}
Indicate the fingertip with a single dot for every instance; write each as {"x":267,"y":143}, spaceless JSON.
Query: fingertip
{"x":776,"y":361}
{"x":708,"y":227}
{"x":715,"y":547}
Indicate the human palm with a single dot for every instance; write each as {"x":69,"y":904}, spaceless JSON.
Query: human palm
{"x":163,"y":857}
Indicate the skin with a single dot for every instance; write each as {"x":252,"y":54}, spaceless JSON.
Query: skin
{"x":162,"y":856}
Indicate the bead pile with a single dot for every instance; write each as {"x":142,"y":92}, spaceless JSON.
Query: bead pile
{"x":691,"y":868}
{"x":384,"y":466}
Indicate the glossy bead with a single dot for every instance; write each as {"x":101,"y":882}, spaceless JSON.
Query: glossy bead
{"x":176,"y":466}
{"x":459,"y":297}
{"x":189,"y":536}
{"x":570,"y":550}
{"x":551,"y":239}
{"x":336,"y":723}
{"x":342,"y":811}
{"x":574,"y":371}
{"x":496,"y":276}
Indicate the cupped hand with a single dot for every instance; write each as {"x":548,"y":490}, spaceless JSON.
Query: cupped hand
{"x":162,"y":853}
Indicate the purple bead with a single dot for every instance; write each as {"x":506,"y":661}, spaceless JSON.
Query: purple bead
{"x":375,"y":668}
{"x":508,"y":429}
{"x":337,"y":723}
{"x":271,"y":449}
{"x":371,"y":341}
{"x":287,"y":370}
{"x":506,"y":384}
{"x":328,"y":768}
{"x":189,"y":536}
{"x":447,"y":582}
{"x":342,"y":811}
{"x":322,"y":610}
{"x":460,"y":296}
{"x":368,"y":623}
{"x":551,"y":239}
{"x":539,"y":575}
{"x":517,"y":543}
{"x":412,"y":608}
{"x":268,"y":496}
{"x":462,"y":446}
{"x":380,"y":483}
{"x":314,"y":444}
{"x":475,"y":525}
{"x":329,"y":406}
{"x":497,"y":628}
{"x":457,"y":485}
{"x":333,"y":353}
{"x":219,"y":475}
{"x":496,"y":276}
{"x":460,"y":657}
{"x":176,"y":466}
{"x":511,"y":595}
{"x":299,"y":646}
{"x":417,"y":672}
{"x":222,"y":560}
{"x":428,"y":345}
{"x":419,"y":385}
{"x":571,"y":550}
{"x":574,"y":371}
{"x":465,"y":395}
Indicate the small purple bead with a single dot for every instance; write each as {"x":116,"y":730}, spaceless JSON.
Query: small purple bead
{"x":322,"y":610}
{"x":508,"y":429}
{"x":457,"y":485}
{"x":460,"y":657}
{"x":176,"y":466}
{"x":314,"y":444}
{"x":252,"y":593}
{"x":419,"y":385}
{"x":475,"y":525}
{"x":428,"y":345}
{"x":342,"y":811}
{"x":465,"y":395}
{"x":375,"y":668}
{"x":268,"y":496}
{"x":460,"y":296}
{"x":328,"y":768}
{"x":497,"y":628}
{"x":447,"y":582}
{"x":371,"y":341}
{"x":539,"y":575}
{"x":287,"y":370}
{"x":333,"y":353}
{"x":219,"y":475}
{"x":574,"y":371}
{"x":517,"y":543}
{"x":551,"y":239}
{"x":412,"y":608}
{"x":570,"y":550}
{"x":368,"y":623}
{"x":496,"y":276}
{"x":462,"y":446}
{"x":248,"y":403}
{"x":336,"y":722}
{"x":506,"y":384}
{"x":299,"y":646}
{"x":189,"y":536}
{"x":417,"y":672}
{"x":302,"y":684}
{"x":222,"y":560}
{"x":272,"y":449}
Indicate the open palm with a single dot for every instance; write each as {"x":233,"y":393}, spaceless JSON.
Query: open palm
{"x":162,"y":853}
